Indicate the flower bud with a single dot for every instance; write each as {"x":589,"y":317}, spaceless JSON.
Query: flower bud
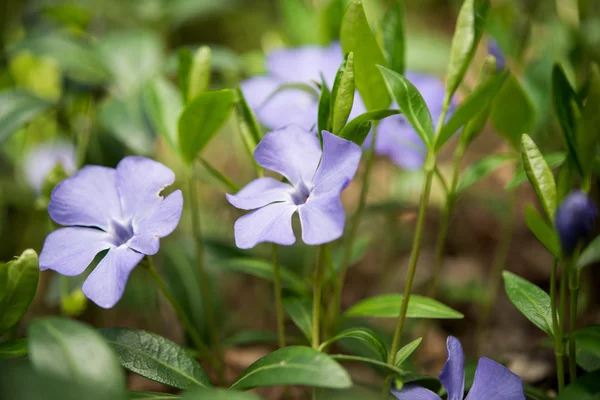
{"x":575,"y":220}
{"x":495,"y":50}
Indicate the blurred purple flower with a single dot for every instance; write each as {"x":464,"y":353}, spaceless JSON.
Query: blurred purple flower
{"x":495,"y":50}
{"x":42,"y":159}
{"x":116,"y":209}
{"x":492,"y":380}
{"x":575,"y":220}
{"x":316,"y":179}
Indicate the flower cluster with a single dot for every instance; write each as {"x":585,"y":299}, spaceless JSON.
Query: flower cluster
{"x":120,"y":210}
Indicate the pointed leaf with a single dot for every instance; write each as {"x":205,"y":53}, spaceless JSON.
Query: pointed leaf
{"x":388,"y":306}
{"x":300,"y":311}
{"x":590,"y":255}
{"x":294,"y":365}
{"x":263,"y":269}
{"x":199,"y":72}
{"x":394,"y":36}
{"x":184,"y":66}
{"x":539,"y":175}
{"x":358,"y":129}
{"x":530,"y":300}
{"x":542,"y":231}
{"x":18,"y":283}
{"x":13,"y":348}
{"x":366,"y":336}
{"x":482,"y":168}
{"x":553,"y":160}
{"x":342,"y":94}
{"x":324,"y":113}
{"x":405,"y":352}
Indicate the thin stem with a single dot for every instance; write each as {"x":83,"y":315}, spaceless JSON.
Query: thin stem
{"x":278,"y":297}
{"x":185,"y":321}
{"x":558,"y":352}
{"x":207,"y":300}
{"x":561,"y":317}
{"x":320,"y":270}
{"x":574,"y":290}
{"x":226,"y":181}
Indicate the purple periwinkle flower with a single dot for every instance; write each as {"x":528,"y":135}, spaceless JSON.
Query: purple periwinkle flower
{"x":120,"y":210}
{"x":315,"y":180}
{"x":492,"y":380}
{"x":495,"y":50}
{"x":41,"y":160}
{"x":574,"y":220}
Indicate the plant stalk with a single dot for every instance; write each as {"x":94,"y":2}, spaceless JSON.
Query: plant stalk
{"x":558,"y":352}
{"x":320,"y":271}
{"x":574,"y":291}
{"x":561,"y":318}
{"x":278,"y":297}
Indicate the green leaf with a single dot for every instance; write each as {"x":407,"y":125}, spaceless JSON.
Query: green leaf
{"x":163,"y":106}
{"x":299,"y":21}
{"x":394,"y":36}
{"x":566,"y":107}
{"x":410,"y":102}
{"x":585,"y":388}
{"x":358,"y":129}
{"x":342,"y":94}
{"x":482,"y":168}
{"x":532,"y":301}
{"x":512,"y":111}
{"x":590,"y":255}
{"x":542,"y":231}
{"x":469,"y":27}
{"x":588,"y":339}
{"x":356,"y":36}
{"x":200,"y":72}
{"x":151,"y":396}
{"x":17,"y":108}
{"x":388,"y":306}
{"x":539,"y":175}
{"x":589,"y":137}
{"x":263,"y":269}
{"x":201,"y":120}
{"x":250,"y":337}
{"x":247,"y":124}
{"x":184,"y":66}
{"x":552,"y":159}
{"x":300,"y":311}
{"x":405,"y":352}
{"x":366,"y":336}
{"x":324,"y":112}
{"x":74,"y":352}
{"x":359,"y":248}
{"x":474,"y":104}
{"x":18,"y":281}
{"x":218,"y":394}
{"x":13,"y":348}
{"x":155,"y":357}
{"x":294,"y":365}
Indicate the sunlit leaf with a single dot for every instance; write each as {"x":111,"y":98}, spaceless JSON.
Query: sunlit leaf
{"x":18,"y":285}
{"x":539,"y":175}
{"x":388,"y":306}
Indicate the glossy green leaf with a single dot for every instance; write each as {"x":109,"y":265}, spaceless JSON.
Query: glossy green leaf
{"x":300,"y":311}
{"x":263,"y":269}
{"x":590,"y":255}
{"x":411,"y":103}
{"x":530,"y":300}
{"x":566,"y":108}
{"x":539,"y":175}
{"x":405,"y":352}
{"x":474,"y":104}
{"x":388,"y":306}
{"x":201,"y":119}
{"x":342,"y":94}
{"x":542,"y":231}
{"x":358,"y":128}
{"x":19,"y":281}
{"x":247,"y":124}
{"x":324,"y":112}
{"x":155,"y":357}
{"x":75,"y":353}
{"x":294,"y":365}
{"x":585,"y":388}
{"x":588,"y":136}
{"x":13,"y":348}
{"x":481,"y":169}
{"x":366,"y":336}
{"x":17,"y":108}
{"x":552,"y":159}
{"x":356,"y":36}
{"x":163,"y":104}
{"x":151,"y":396}
{"x":512,"y":111}
{"x":394,"y":36}
{"x":218,"y":394}
{"x":199,"y":72}
{"x":469,"y":28}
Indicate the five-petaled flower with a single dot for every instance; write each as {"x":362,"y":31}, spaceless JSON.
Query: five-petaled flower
{"x":574,"y":220}
{"x":315,"y":178}
{"x":103,"y":208}
{"x":492,"y":380}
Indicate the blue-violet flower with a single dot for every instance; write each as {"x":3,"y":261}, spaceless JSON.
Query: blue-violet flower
{"x":574,"y":220}
{"x":315,"y":178}
{"x":41,"y":160}
{"x":495,"y":50}
{"x":492,"y":380}
{"x":120,"y":210}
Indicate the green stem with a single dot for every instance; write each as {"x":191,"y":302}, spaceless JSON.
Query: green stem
{"x":574,"y":290}
{"x":320,"y":270}
{"x":207,"y":300}
{"x":228,"y":183}
{"x":558,"y":352}
{"x":278,"y":297}
{"x":185,"y":321}
{"x":561,"y":316}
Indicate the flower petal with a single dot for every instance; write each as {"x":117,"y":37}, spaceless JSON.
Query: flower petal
{"x":322,"y":219}
{"x":88,"y":198}
{"x":414,"y":392}
{"x":272,"y":223}
{"x":397,"y":140}
{"x":453,"y":374}
{"x":106,"y":283}
{"x":140,"y":181}
{"x":306,"y":63}
{"x":41,"y":160}
{"x":162,"y":219}
{"x":259,"y":193}
{"x":338,"y":165}
{"x":291,"y":151}
{"x":69,"y":251}
{"x":495,"y":382}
